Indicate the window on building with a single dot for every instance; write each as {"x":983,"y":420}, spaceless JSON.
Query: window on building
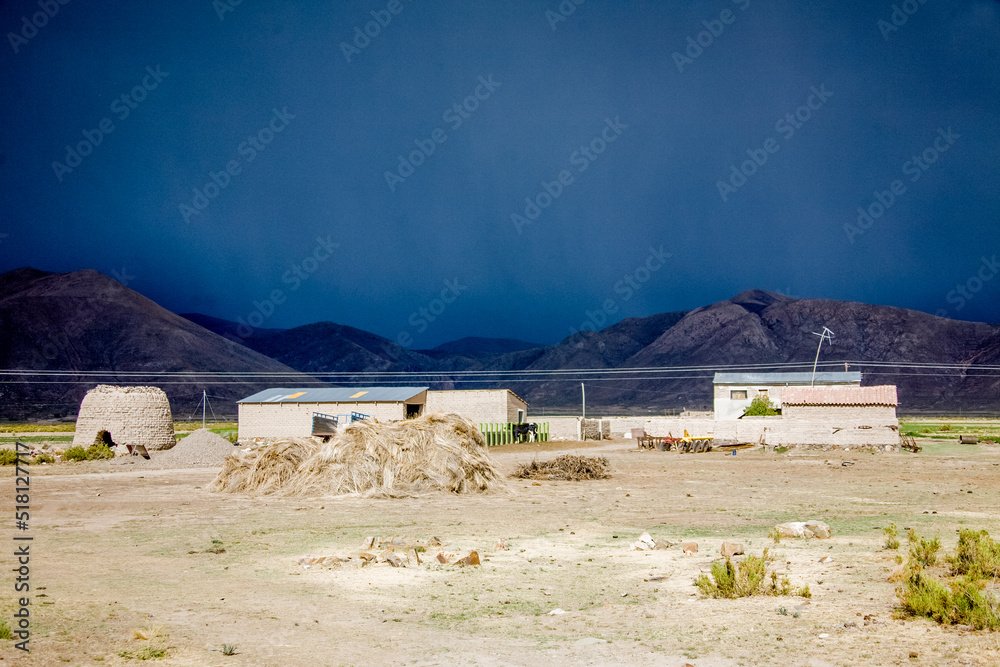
{"x":738,"y":394}
{"x":762,"y":392}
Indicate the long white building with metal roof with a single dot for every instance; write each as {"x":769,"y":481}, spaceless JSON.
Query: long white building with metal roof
{"x":285,"y":412}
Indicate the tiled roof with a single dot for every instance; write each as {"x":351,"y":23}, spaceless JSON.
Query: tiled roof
{"x":880,"y":395}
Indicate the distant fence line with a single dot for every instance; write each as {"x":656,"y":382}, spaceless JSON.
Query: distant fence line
{"x":498,"y":433}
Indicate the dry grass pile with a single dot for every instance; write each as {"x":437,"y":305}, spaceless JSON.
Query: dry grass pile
{"x":438,"y":452}
{"x":565,"y":467}
{"x":266,"y":469}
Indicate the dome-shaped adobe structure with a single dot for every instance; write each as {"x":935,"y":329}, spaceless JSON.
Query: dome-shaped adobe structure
{"x":130,"y":415}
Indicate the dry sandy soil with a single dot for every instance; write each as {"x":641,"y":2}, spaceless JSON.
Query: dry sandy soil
{"x":123,"y":553}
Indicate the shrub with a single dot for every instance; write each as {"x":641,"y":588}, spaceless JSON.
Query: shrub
{"x":977,"y":556}
{"x":44,"y":458}
{"x":5,"y":632}
{"x":760,"y":406}
{"x":746,"y":578}
{"x":925,"y":551}
{"x":97,"y":452}
{"x":945,"y":428}
{"x":8,"y":457}
{"x":229,"y":649}
{"x":75,"y":453}
{"x":964,"y":602}
{"x":891,"y":534}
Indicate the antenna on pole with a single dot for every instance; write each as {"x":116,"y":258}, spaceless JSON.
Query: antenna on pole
{"x":825,"y":335}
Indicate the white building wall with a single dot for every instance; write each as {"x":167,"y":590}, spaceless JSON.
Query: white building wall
{"x":477,"y":405}
{"x":280,"y":420}
{"x":728,"y":408}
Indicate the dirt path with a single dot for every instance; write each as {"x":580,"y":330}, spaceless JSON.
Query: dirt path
{"x":121,"y":553}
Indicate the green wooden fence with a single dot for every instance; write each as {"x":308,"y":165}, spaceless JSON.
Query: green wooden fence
{"x":497,"y":433}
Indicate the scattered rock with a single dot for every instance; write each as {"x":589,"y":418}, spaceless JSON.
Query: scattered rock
{"x":732,"y":549}
{"x":557,"y":612}
{"x":662,"y":544}
{"x":644,"y":543}
{"x":590,"y":641}
{"x":819,"y":529}
{"x":501,"y":544}
{"x":689,"y":548}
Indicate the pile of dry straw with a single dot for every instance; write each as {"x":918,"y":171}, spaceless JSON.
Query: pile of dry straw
{"x":436,"y":452}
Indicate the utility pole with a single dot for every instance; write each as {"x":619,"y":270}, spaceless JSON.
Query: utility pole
{"x":204,"y":403}
{"x":583,"y":391}
{"x":825,"y":335}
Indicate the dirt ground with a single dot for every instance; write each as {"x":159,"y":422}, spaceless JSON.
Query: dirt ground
{"x":123,"y":564}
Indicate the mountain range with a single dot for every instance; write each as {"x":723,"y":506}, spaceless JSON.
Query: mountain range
{"x":83,"y":328}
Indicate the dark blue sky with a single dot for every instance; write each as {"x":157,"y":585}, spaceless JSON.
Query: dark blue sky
{"x":640,"y":137}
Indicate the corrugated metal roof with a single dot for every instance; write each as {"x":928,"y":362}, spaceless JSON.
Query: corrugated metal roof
{"x":787,"y":378}
{"x":336,"y":395}
{"x":880,"y":395}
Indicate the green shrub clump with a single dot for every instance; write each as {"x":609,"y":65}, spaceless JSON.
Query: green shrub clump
{"x":977,"y":556}
{"x":963,"y":600}
{"x":748,"y":577}
{"x":891,"y":536}
{"x":92,"y":453}
{"x":8,"y":457}
{"x":760,"y":406}
{"x":76,"y":453}
{"x":924,"y":551}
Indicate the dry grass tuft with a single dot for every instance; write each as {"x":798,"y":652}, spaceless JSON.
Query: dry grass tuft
{"x":565,"y":467}
{"x":438,"y":452}
{"x":265,"y":470}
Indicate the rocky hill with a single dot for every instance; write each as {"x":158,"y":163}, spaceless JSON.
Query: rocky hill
{"x":83,"y":322}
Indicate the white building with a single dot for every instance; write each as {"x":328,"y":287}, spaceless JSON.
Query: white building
{"x":734,"y":391}
{"x":274,"y":413}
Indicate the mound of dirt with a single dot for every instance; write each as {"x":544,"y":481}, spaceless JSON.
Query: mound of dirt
{"x":200,"y":448}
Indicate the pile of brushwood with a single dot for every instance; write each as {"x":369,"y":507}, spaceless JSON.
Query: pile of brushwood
{"x":565,"y":467}
{"x":962,"y":595}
